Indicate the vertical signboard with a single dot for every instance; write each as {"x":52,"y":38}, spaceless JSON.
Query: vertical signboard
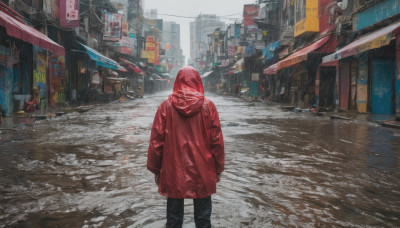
{"x":112,"y":27}
{"x":69,"y":13}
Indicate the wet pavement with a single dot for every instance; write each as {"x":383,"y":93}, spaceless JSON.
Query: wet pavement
{"x":283,"y":169}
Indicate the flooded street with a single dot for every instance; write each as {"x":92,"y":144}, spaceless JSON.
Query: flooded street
{"x":283,"y":169}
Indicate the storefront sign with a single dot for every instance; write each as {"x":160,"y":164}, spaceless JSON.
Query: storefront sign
{"x":255,"y":77}
{"x":112,"y":27}
{"x":377,"y":13}
{"x":69,"y":13}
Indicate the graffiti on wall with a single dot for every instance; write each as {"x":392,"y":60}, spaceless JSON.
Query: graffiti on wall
{"x":39,"y":76}
{"x":57,"y":82}
{"x":6,"y":80}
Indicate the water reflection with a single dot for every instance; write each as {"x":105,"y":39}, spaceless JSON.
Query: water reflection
{"x":282,"y":169}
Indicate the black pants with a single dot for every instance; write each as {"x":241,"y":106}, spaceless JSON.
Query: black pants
{"x":202,"y":212}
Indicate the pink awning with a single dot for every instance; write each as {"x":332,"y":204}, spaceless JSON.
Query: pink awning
{"x":371,"y":41}
{"x":270,"y":70}
{"x":20,"y":30}
{"x":301,"y":55}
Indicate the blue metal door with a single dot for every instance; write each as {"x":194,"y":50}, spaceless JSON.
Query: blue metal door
{"x":382,"y":86}
{"x":254,"y":89}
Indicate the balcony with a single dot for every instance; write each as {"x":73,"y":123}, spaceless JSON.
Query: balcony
{"x":309,"y":24}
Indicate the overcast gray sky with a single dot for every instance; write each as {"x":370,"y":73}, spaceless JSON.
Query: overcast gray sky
{"x":192,"y":8}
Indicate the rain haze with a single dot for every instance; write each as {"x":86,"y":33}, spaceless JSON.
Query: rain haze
{"x":192,"y":8}
{"x":289,"y":116}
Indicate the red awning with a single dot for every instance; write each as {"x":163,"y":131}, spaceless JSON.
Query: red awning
{"x":131,"y":65}
{"x":20,"y":30}
{"x":271,"y":69}
{"x":371,"y":41}
{"x":302,"y":54}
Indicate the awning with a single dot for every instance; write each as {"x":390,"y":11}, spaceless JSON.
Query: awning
{"x":133,"y":66}
{"x":371,"y":41}
{"x":166,"y":75}
{"x":206,"y":74}
{"x":268,"y":51}
{"x":271,"y":69}
{"x":103,"y":61}
{"x":116,"y":79}
{"x":20,"y":30}
{"x":302,"y":54}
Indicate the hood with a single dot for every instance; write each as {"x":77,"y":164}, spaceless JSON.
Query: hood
{"x":188,"y":94}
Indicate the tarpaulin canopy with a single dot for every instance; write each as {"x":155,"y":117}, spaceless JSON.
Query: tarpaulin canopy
{"x":103,"y":61}
{"x":371,"y":41}
{"x":19,"y":29}
{"x":302,"y":54}
{"x":268,"y":51}
{"x":271,"y":69}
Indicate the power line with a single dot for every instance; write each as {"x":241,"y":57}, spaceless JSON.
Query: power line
{"x":221,"y":17}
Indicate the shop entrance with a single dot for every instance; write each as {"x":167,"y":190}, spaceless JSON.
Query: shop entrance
{"x":327,"y":87}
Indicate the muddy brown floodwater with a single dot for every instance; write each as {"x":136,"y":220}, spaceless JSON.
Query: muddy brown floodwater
{"x":282,"y":170}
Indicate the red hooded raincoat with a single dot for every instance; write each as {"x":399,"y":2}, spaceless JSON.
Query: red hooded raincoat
{"x":186,"y":143}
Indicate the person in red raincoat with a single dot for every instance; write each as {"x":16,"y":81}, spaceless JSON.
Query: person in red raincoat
{"x":186,"y":151}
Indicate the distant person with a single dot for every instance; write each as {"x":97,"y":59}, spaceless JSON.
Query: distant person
{"x":186,"y":151}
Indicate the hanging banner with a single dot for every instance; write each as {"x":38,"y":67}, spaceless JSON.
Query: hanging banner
{"x":69,"y":13}
{"x":150,"y":46}
{"x":127,"y":45}
{"x":150,"y":39}
{"x":112,"y":27}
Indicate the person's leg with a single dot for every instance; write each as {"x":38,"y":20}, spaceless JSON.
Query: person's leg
{"x":202,"y":212}
{"x":174,"y":213}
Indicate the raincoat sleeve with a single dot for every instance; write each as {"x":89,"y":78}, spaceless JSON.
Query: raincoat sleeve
{"x":157,"y":138}
{"x":216,"y":140}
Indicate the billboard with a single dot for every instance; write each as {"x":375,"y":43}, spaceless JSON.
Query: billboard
{"x":250,"y":12}
{"x":112,"y":27}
